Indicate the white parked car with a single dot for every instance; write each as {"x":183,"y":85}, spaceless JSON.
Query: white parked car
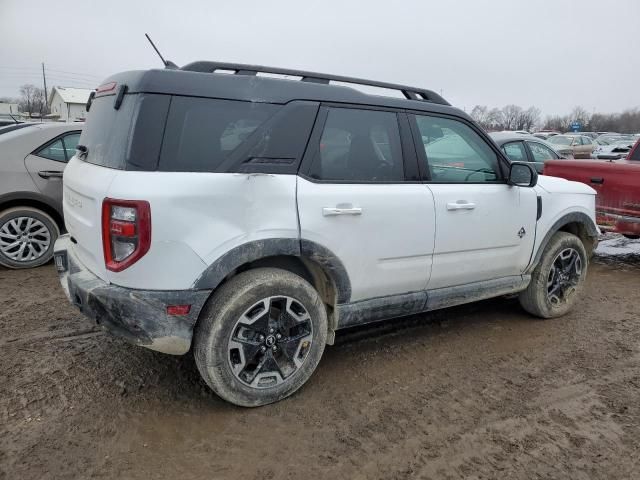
{"x":250,"y":218}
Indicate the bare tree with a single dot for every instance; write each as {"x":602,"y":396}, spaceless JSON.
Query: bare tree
{"x":495,"y":119}
{"x":480,"y":114}
{"x":514,"y":117}
{"x":580,"y":115}
{"x":528,"y":119}
{"x":32,"y":99}
{"x":489,"y":119}
{"x":510,"y":116}
{"x":558,"y":123}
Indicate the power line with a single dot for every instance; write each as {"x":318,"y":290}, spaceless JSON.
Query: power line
{"x":36,"y":71}
{"x":75,"y":73}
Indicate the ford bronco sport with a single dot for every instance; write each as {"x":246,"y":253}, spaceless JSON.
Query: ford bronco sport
{"x":250,"y":212}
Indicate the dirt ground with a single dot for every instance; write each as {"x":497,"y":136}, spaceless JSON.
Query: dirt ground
{"x":480,"y":391}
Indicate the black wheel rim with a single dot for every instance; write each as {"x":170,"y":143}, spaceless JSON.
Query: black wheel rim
{"x":270,"y":342}
{"x":564,"y":276}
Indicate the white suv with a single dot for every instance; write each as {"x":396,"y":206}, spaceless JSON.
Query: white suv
{"x":252,"y":217}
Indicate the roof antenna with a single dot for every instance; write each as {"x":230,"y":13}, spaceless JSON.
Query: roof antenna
{"x":167,"y":63}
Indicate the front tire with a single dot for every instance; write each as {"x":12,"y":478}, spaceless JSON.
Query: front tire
{"x":27,"y":236}
{"x":260,"y":337}
{"x":558,"y":279}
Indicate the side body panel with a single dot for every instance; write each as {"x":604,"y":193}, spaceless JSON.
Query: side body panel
{"x":195,"y":219}
{"x":49,"y":181}
{"x":617,"y":185}
{"x":491,"y":239}
{"x":386,"y":248}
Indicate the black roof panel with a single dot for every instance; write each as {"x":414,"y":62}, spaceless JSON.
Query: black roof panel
{"x":252,"y":88}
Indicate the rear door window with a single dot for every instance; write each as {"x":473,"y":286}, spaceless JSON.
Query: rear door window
{"x":359,"y":146}
{"x":53,"y":151}
{"x":540,"y":152}
{"x":201,"y":134}
{"x":515,"y":151}
{"x":70,"y":143}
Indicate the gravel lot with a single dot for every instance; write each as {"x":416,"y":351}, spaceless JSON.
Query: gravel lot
{"x":480,"y":391}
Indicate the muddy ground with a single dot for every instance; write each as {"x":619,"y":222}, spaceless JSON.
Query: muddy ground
{"x":481,"y":391}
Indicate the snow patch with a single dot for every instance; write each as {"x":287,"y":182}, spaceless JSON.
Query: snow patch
{"x":614,"y":245}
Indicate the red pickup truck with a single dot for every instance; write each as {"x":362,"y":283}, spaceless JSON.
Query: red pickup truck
{"x":617,"y":183}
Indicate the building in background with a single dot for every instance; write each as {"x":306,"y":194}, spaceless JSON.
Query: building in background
{"x":68,"y":104}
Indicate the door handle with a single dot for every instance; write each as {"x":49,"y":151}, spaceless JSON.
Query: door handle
{"x":50,"y":174}
{"x":333,"y":211}
{"x":461,"y":205}
{"x":598,"y":180}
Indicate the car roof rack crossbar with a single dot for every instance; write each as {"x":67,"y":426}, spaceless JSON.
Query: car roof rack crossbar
{"x":410,"y":93}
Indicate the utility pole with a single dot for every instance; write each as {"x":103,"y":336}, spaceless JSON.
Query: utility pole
{"x":46,"y":97}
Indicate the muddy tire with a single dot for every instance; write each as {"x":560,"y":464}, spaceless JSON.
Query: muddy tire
{"x":260,"y":336}
{"x":27,"y":236}
{"x":558,"y":280}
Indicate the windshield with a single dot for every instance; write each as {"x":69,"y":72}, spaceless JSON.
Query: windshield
{"x":560,"y":140}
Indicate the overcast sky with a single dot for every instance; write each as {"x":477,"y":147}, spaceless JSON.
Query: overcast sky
{"x":554,"y":54}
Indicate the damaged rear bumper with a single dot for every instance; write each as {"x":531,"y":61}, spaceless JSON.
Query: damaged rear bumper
{"x":138,"y":316}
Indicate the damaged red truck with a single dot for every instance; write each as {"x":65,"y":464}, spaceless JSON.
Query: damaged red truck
{"x":617,"y":183}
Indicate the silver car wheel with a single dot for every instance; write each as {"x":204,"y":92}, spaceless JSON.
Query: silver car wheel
{"x":24,"y":239}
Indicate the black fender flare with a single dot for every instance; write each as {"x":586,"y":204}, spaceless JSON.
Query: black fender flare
{"x":573,"y":217}
{"x":270,"y":247}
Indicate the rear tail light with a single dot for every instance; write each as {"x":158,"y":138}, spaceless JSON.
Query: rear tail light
{"x":126,"y":232}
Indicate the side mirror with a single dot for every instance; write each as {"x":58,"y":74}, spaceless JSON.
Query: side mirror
{"x":522,"y":174}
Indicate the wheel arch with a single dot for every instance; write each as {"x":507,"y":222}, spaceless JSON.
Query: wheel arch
{"x":33,"y":200}
{"x":577,"y":223}
{"x":310,"y":260}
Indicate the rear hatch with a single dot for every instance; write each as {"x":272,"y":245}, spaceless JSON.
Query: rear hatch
{"x":87,"y":176}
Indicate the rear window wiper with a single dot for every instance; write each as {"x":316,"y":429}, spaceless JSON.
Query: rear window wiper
{"x":84,"y":151}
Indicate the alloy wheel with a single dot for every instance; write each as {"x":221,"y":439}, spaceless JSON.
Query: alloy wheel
{"x":270,"y":342}
{"x":564,"y":276}
{"x":24,"y":239}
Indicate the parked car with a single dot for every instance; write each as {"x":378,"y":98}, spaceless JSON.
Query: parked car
{"x":591,"y":135}
{"x":545,"y":134}
{"x":614,"y":150}
{"x":529,"y":149}
{"x":4,"y":121}
{"x":610,"y":138}
{"x":250,"y":218}
{"x":32,"y":159}
{"x":618,"y":186}
{"x":581,"y":145}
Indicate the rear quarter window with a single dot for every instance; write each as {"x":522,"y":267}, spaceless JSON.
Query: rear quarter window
{"x":202,"y":133}
{"x":106,"y":132}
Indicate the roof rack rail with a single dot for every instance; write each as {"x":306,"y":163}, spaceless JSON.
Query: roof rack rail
{"x":411,"y":93}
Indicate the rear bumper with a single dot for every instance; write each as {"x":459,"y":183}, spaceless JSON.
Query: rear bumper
{"x":138,"y":316}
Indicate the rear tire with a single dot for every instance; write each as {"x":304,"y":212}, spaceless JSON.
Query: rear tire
{"x":558,"y":279}
{"x":260,"y":336}
{"x":27,"y":236}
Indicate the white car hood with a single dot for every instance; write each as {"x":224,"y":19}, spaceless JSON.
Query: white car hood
{"x":560,"y":185}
